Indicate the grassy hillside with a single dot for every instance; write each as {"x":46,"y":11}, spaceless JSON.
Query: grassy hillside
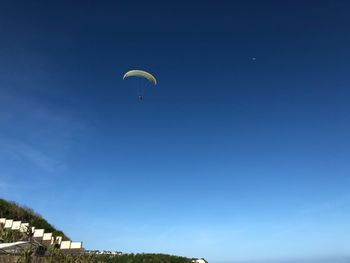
{"x":15,"y":211}
{"x":140,"y":258}
{"x":132,"y":258}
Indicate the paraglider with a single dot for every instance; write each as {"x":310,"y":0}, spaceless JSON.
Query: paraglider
{"x":141,"y":74}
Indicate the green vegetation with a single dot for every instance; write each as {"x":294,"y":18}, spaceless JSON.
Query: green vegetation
{"x":8,"y":235}
{"x":60,"y":258}
{"x":145,"y":258}
{"x":50,"y":254}
{"x":130,"y":258}
{"x":15,"y":211}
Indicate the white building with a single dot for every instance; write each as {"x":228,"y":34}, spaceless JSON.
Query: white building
{"x":199,"y":260}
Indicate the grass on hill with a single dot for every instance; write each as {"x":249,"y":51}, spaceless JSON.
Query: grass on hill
{"x":12,"y":210}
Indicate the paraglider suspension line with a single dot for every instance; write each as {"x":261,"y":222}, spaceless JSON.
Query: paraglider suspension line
{"x":140,"y":89}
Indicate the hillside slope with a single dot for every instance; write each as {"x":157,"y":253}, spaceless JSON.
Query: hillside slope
{"x":11,"y":210}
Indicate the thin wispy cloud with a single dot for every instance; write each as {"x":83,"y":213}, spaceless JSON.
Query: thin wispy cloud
{"x":5,"y":186}
{"x":38,"y":158}
{"x":35,"y":132}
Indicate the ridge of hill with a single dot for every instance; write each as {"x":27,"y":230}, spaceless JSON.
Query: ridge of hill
{"x":12,"y":210}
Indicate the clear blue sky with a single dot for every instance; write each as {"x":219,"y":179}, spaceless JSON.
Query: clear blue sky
{"x":229,"y":158}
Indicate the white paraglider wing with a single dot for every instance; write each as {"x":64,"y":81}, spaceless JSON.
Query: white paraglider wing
{"x":142,"y":74}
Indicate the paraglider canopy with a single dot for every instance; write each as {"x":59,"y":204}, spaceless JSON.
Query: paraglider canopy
{"x":142,"y":74}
